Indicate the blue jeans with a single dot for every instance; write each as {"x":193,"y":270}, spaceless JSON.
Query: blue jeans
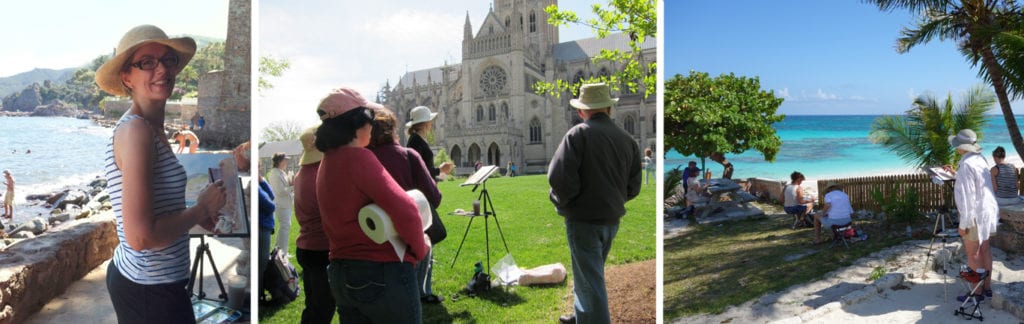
{"x":425,"y":273}
{"x":374,"y":292}
{"x":589,"y":245}
{"x":320,"y":304}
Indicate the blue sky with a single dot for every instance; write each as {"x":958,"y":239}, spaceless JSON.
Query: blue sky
{"x":824,"y":57}
{"x":59,"y":34}
{"x":362,"y":44}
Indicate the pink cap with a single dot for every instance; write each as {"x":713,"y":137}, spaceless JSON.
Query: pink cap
{"x":340,"y":101}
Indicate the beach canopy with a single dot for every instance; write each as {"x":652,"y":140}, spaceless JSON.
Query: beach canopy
{"x":289,"y":147}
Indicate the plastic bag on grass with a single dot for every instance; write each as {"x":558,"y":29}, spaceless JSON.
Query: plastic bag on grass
{"x":506,"y":270}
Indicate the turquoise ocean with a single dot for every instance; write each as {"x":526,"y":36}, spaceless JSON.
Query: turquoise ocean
{"x":831,"y":147}
{"x":64,"y":152}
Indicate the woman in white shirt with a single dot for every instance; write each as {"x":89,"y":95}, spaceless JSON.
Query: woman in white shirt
{"x":281,"y":183}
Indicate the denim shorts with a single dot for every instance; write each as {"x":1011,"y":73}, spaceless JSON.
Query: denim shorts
{"x":798,"y":209}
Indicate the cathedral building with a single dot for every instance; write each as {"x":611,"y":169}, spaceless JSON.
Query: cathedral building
{"x":487,"y":109}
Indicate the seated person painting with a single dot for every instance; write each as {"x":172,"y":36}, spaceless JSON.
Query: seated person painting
{"x":795,"y":203}
{"x":836,"y":211}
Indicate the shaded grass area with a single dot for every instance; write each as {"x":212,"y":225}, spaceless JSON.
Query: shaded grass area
{"x":535,"y":236}
{"x":715,"y":266}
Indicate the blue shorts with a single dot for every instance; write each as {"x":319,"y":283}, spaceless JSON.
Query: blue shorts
{"x":828,"y":222}
{"x":798,"y":209}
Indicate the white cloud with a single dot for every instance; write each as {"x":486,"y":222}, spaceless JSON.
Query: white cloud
{"x":784,"y":93}
{"x":822,"y":95}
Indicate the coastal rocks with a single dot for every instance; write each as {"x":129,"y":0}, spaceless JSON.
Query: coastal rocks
{"x":56,"y":108}
{"x":35,"y":226}
{"x":37,"y":270}
{"x":71,"y":197}
{"x":26,"y":100}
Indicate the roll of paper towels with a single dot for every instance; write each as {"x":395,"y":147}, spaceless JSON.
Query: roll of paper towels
{"x":377,"y":225}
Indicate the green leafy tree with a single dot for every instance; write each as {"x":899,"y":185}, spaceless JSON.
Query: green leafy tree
{"x":209,"y":58}
{"x":271,"y":67}
{"x":441,"y":157}
{"x":987,"y":32}
{"x":636,"y":18}
{"x":282,"y":131}
{"x":921,"y":137}
{"x":724,"y":114}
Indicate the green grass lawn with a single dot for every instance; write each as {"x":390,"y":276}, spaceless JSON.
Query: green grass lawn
{"x":715,"y":266}
{"x":535,"y":236}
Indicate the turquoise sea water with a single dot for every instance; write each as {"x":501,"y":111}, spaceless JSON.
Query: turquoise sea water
{"x":833,"y":146}
{"x":65,"y":151}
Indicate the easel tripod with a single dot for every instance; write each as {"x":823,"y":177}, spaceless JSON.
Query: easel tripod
{"x":939,"y":231}
{"x":198,"y":269}
{"x":487,"y":211}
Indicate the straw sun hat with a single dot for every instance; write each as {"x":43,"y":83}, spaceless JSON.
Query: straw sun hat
{"x":594,"y":96}
{"x":310,"y":154}
{"x":108,"y":77}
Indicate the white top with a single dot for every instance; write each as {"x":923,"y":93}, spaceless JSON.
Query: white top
{"x":790,"y":195}
{"x":974,"y":197}
{"x":838,"y":205}
{"x":282,"y":188}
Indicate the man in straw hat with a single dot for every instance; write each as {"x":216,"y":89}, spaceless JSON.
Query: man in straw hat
{"x":837,"y":210}
{"x":976,"y":202}
{"x":147,"y":276}
{"x":594,"y":171}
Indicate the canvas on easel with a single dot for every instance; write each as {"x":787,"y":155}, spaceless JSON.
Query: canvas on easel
{"x":204,"y":168}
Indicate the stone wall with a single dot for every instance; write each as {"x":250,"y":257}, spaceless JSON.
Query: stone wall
{"x":34,"y":271}
{"x":770,"y":189}
{"x":1010,"y":234}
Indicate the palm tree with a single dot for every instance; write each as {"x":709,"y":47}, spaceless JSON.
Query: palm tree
{"x":987,"y":32}
{"x":921,"y":137}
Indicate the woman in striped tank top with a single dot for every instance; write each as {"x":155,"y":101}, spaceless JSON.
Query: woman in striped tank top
{"x":1004,"y":179}
{"x":146,"y":278}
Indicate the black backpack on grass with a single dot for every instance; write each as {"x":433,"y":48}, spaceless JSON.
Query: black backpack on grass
{"x":280,"y":278}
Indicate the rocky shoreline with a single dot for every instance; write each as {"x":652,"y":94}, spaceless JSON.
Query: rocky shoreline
{"x":72,"y":202}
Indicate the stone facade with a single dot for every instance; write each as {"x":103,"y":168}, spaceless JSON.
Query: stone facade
{"x":224,"y":96}
{"x":487,"y":108}
{"x":34,"y":271}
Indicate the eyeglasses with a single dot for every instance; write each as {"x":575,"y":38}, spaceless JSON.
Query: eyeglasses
{"x":169,"y":61}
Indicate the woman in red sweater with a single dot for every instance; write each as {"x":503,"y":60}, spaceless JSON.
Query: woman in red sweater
{"x":370,"y":283}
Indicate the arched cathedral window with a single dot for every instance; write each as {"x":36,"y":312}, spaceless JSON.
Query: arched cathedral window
{"x":533,"y":22}
{"x":491,"y":115}
{"x":629,"y":125}
{"x":535,"y":130}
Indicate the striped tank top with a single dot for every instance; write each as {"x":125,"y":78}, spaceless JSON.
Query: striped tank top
{"x":155,"y":266}
{"x":1005,"y":181}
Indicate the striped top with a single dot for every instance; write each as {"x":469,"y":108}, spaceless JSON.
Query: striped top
{"x":156,"y":266}
{"x":1006,"y":181}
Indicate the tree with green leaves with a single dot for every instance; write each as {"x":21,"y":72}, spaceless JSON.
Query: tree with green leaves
{"x":725,"y":114}
{"x":989,"y":33}
{"x":271,"y":67}
{"x":282,"y":130}
{"x":636,"y":18}
{"x":921,"y":137}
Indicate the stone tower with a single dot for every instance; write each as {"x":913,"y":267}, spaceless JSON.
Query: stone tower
{"x":225,"y":96}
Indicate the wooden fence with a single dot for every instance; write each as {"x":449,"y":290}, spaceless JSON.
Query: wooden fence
{"x":930,"y":195}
